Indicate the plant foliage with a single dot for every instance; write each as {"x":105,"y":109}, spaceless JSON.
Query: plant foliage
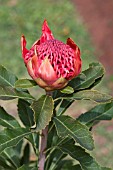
{"x":67,"y":136}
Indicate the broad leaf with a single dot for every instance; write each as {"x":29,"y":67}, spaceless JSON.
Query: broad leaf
{"x":4,"y":164}
{"x":26,"y":155}
{"x":11,"y":137}
{"x":67,"y":90}
{"x":94,"y":95}
{"x":34,"y":140}
{"x":67,"y":165}
{"x":43,"y":110}
{"x":7,"y":120}
{"x":24,"y":167}
{"x":25,"y":83}
{"x":54,"y":159}
{"x":9,"y":93}
{"x":63,"y":106}
{"x":88,"y":78}
{"x":87,"y":162}
{"x":98,"y":113}
{"x":10,"y":155}
{"x":67,"y":126}
{"x":64,"y":101}
{"x":18,"y":148}
{"x":25,"y":112}
{"x":53,"y":138}
{"x":6,"y":168}
{"x":77,"y":167}
{"x":6,"y":77}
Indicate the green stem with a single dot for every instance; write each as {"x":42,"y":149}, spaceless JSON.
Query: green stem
{"x":43,"y":144}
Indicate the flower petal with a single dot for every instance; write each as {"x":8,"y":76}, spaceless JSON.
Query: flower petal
{"x":23,"y":47}
{"x":46,"y":33}
{"x":46,"y":72}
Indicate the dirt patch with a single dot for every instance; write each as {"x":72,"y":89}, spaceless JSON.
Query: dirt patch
{"x":98,"y":17}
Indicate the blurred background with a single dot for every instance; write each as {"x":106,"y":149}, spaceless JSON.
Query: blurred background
{"x":89,"y":23}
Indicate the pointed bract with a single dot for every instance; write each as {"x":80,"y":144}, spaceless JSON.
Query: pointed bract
{"x":23,"y":48}
{"x":71,"y":43}
{"x":78,"y":61}
{"x":46,"y":33}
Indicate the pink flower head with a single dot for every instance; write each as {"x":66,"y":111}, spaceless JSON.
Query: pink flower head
{"x":50,"y":62}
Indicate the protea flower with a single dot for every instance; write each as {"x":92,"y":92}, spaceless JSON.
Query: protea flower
{"x":50,"y":62}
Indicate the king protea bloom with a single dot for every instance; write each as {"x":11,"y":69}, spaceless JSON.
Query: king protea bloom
{"x":50,"y":62}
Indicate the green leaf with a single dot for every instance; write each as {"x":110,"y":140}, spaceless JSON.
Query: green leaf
{"x":94,"y":95}
{"x":25,"y":112}
{"x":10,"y":155}
{"x":87,"y":162}
{"x":6,"y":168}
{"x":24,"y":167}
{"x":67,"y":126}
{"x":77,"y":167}
{"x":33,"y":138}
{"x":34,"y":168}
{"x":43,"y":110}
{"x":26,"y":155}
{"x":54,"y":159}
{"x":6,"y":78}
{"x":88,"y":78}
{"x":18,"y":148}
{"x":11,"y":137}
{"x":25,"y":83}
{"x":7,"y":120}
{"x":67,"y":164}
{"x":70,"y":166}
{"x":53,"y":138}
{"x":4,"y":164}
{"x":98,"y":113}
{"x":67,"y":101}
{"x":9,"y":93}
{"x":67,"y":90}
{"x":82,"y":95}
{"x":63,"y":107}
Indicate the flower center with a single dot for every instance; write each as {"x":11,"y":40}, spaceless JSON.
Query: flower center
{"x":60,"y":55}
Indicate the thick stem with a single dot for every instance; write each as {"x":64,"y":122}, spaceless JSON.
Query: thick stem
{"x":43,"y":145}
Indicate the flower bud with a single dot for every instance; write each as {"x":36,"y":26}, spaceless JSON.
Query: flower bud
{"x":50,"y":62}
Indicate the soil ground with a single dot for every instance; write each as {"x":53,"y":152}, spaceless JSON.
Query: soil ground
{"x":98,"y":17}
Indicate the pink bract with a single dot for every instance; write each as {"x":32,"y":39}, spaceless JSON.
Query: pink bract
{"x":50,"y":62}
